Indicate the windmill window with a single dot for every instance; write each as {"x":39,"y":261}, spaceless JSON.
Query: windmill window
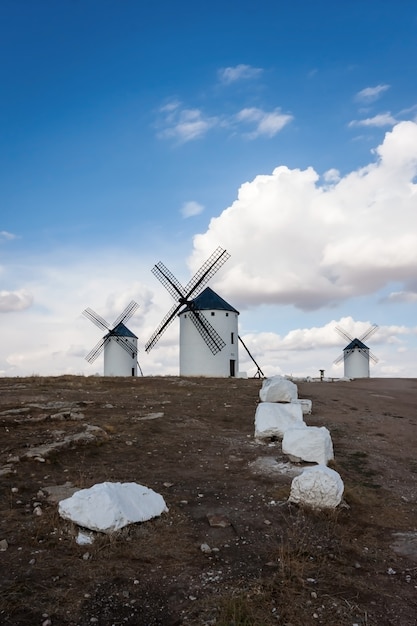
{"x":227,"y":314}
{"x":232,"y":337}
{"x":212,"y":313}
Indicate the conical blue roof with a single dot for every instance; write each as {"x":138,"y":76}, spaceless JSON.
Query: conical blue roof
{"x":356,"y":343}
{"x":121,"y":331}
{"x":210,"y":300}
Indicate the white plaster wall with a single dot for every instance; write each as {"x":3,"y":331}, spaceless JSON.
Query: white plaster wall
{"x":117,"y":361}
{"x":356,"y":365}
{"x":196,"y":358}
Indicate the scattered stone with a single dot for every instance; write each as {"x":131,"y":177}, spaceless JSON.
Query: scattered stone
{"x":84,"y":538}
{"x":6,"y":470}
{"x":306,"y":406}
{"x":218,"y":521}
{"x":405,"y":544}
{"x":205,"y":548}
{"x":3,"y":545}
{"x":91,"y":433}
{"x":318,"y":487}
{"x":312,"y":444}
{"x":272,"y":419}
{"x":59,"y":492}
{"x":150,"y":416}
{"x":107,"y":507}
{"x":269,"y":466}
{"x":278,"y":389}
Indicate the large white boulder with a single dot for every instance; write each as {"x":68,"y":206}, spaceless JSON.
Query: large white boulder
{"x":306,"y":405}
{"x":312,"y":444}
{"x":278,"y":389}
{"x":318,"y":487}
{"x":272,"y":419}
{"x":107,"y":506}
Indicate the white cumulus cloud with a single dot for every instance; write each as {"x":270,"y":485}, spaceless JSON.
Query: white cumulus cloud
{"x":295,"y":242}
{"x":15,"y":301}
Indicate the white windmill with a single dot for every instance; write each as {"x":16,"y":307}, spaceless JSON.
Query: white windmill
{"x":120,"y":345}
{"x":208,"y":324}
{"x":356,"y":355}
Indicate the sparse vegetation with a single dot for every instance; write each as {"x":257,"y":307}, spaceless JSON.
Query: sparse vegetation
{"x":274,"y":563}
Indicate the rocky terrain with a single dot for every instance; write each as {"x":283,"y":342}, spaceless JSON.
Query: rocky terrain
{"x":231,"y":550}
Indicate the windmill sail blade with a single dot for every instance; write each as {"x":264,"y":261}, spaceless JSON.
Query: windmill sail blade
{"x":339,"y":359}
{"x":97,"y":350}
{"x":373,"y":358}
{"x":167,"y":278}
{"x":206,"y":271}
{"x":96,"y":319}
{"x":206,"y":330}
{"x":125,"y":343}
{"x":369,"y":332}
{"x":343,"y":333}
{"x":169,"y":317}
{"x":127,"y":313}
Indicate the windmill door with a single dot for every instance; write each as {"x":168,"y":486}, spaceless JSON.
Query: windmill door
{"x":232,"y":367}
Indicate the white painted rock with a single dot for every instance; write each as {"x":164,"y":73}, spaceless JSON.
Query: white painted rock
{"x":306,"y":405}
{"x":278,"y":389}
{"x":319,"y":487}
{"x":312,"y":444}
{"x":272,"y":419}
{"x":107,"y":506}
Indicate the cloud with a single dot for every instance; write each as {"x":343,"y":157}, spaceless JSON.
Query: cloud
{"x":305,"y":351}
{"x":6,"y":236}
{"x":230,"y":75}
{"x":382,"y":119}
{"x":331,"y":176}
{"x":267,"y":124}
{"x":15,"y":301}
{"x":190,"y":209}
{"x":185,"y":124}
{"x":401,"y":296}
{"x":295,"y":242}
{"x":370,"y":94}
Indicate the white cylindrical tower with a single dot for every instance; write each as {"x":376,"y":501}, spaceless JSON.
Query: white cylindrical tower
{"x":117,"y":360}
{"x":196,"y":358}
{"x":356,"y":360}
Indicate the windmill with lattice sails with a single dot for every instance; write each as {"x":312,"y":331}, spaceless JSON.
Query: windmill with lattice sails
{"x":356,"y":356}
{"x":119,"y":344}
{"x":208,"y":324}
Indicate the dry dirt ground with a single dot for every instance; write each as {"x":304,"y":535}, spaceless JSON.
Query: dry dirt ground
{"x":191,"y":440}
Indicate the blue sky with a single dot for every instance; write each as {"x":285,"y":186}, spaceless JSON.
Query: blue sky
{"x":134,"y":132}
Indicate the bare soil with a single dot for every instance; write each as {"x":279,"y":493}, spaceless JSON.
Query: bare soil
{"x":191,"y":440}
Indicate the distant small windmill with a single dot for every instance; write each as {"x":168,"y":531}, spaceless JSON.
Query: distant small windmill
{"x":120,"y":345}
{"x":207,"y":348}
{"x":356,"y":355}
